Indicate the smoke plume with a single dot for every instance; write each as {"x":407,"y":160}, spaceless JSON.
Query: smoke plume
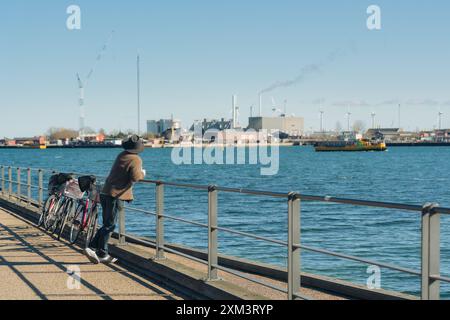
{"x":305,"y":72}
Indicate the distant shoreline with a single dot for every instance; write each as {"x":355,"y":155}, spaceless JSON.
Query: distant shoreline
{"x":392,"y":144}
{"x":418,"y":144}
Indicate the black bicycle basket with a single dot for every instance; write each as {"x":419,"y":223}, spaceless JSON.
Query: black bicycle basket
{"x":57,"y":182}
{"x":87,"y":183}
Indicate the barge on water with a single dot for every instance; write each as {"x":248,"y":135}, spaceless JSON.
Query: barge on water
{"x":351,"y":143}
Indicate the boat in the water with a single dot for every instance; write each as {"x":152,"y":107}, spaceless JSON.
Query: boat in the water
{"x":351,"y":144}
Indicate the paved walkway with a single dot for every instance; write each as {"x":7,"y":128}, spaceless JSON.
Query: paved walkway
{"x":34,"y":266}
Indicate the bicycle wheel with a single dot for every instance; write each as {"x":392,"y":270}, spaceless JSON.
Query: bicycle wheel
{"x":66,"y":216}
{"x":58,"y":216}
{"x":45,"y":209}
{"x":92,"y":226}
{"x":52,"y":214}
{"x":77,"y":225}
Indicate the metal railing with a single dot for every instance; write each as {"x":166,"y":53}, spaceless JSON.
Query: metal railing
{"x":430,"y":214}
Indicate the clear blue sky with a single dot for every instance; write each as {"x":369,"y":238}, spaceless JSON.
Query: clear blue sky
{"x":197,"y":53}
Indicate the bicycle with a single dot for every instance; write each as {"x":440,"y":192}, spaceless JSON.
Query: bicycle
{"x":53,"y":203}
{"x":66,"y":211}
{"x":85,"y":219}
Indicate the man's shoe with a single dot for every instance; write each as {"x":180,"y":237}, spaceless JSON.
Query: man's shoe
{"x":91,"y":255}
{"x":108,"y":260}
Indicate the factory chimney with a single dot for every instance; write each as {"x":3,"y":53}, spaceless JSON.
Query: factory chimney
{"x":260,"y":105}
{"x":234,"y":106}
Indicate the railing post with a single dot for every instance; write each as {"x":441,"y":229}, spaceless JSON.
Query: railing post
{"x":19,"y":191}
{"x":122,"y":229}
{"x":40,"y":187}
{"x":212,"y":234}
{"x":2,"y":176}
{"x":294,"y":276}
{"x":431,"y":250}
{"x":10,"y":182}
{"x":29,"y":186}
{"x":160,"y":221}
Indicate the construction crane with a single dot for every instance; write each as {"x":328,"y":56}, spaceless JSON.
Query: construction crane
{"x":82,"y":86}
{"x":81,"y":103}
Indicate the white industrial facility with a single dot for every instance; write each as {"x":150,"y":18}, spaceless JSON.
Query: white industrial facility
{"x":231,"y":131}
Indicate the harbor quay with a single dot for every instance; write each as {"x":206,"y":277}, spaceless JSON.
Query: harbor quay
{"x":38,"y":265}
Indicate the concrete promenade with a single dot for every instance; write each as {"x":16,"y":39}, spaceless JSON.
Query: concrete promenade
{"x":34,"y":266}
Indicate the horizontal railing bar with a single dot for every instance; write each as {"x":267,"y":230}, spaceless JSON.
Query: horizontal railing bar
{"x":366,"y":203}
{"x":302,"y":296}
{"x":23,"y":184}
{"x":21,"y":197}
{"x":26,"y":168}
{"x":329,"y":199}
{"x":442,"y":210}
{"x":283,"y":243}
{"x":141,"y":241}
{"x":184,"y":255}
{"x":185,"y":221}
{"x":153,"y":244}
{"x":366,"y":261}
{"x":246,"y":277}
{"x":87,"y":174}
{"x":254,"y":192}
{"x":169,"y":217}
{"x":140,"y":210}
{"x":224,"y":189}
{"x":441,"y":278}
{"x":174,"y":184}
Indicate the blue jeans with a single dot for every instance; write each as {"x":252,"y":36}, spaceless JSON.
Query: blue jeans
{"x":111,"y":208}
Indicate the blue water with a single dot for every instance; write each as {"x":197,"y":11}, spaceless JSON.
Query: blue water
{"x":409,"y":175}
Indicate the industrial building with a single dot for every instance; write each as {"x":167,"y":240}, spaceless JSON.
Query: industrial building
{"x":213,"y":124}
{"x":389,"y":134}
{"x":292,"y":126}
{"x":160,"y":127}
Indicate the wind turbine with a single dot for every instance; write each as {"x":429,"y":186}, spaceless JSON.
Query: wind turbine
{"x":373,"y":114}
{"x":321,"y":120}
{"x":440,"y":114}
{"x":348,"y":119}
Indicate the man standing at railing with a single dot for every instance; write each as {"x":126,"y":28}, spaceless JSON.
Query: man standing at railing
{"x":126,"y":171}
